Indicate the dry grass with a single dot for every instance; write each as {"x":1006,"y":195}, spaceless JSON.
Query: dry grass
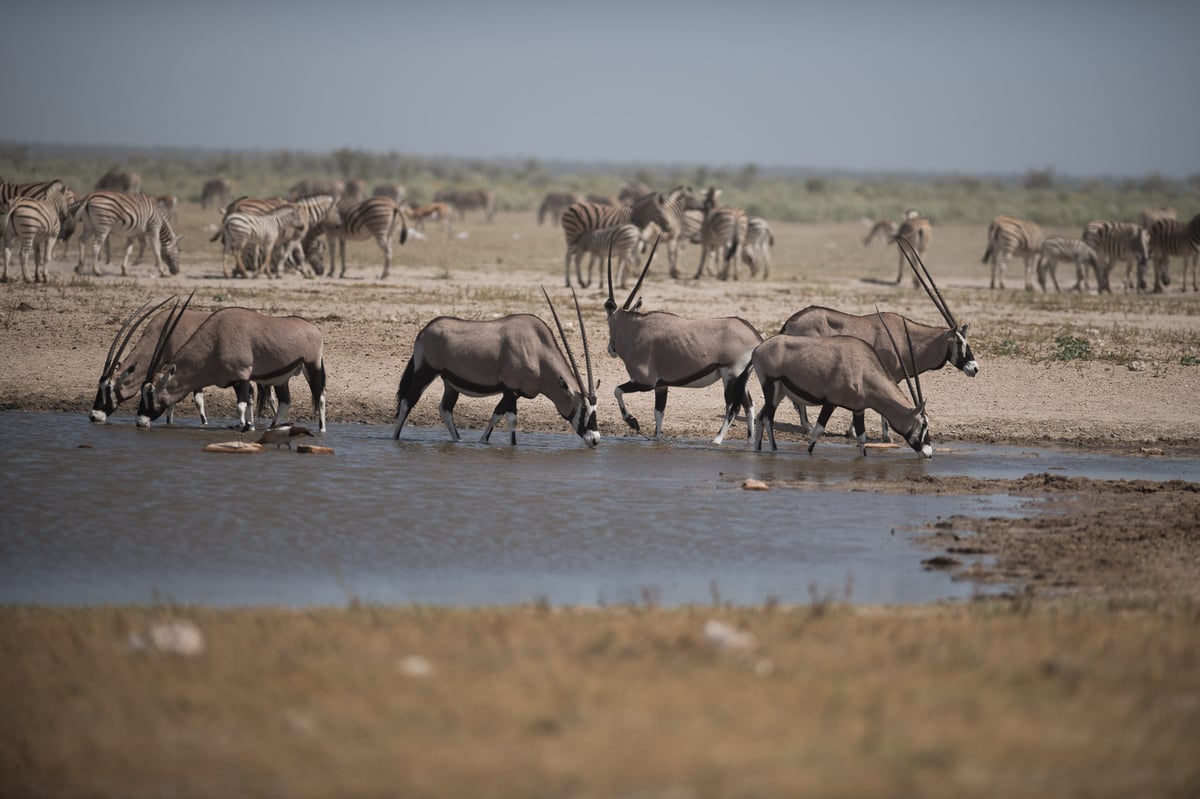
{"x":992,"y":699}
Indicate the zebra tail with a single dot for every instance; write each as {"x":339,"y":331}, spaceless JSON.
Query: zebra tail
{"x":987,"y":254}
{"x":733,"y":248}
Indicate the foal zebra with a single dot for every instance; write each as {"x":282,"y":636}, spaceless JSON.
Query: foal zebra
{"x":724,"y":229}
{"x":37,"y":223}
{"x":1009,"y":236}
{"x":756,"y":250}
{"x":1170,"y":237}
{"x":662,"y":209}
{"x":620,"y":241}
{"x":1116,"y":241}
{"x":241,"y":230}
{"x":1064,"y":248}
{"x":129,"y":215}
{"x":379,"y":218}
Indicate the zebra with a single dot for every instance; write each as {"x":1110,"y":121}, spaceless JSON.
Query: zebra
{"x":555,"y":203}
{"x":1064,"y":248}
{"x":1170,"y":237}
{"x":662,"y":209}
{"x":37,"y":223}
{"x":241,"y":230}
{"x":1116,"y":241}
{"x":632,"y":192}
{"x":10,"y":192}
{"x":1008,"y":236}
{"x":130,"y":215}
{"x":619,"y":241}
{"x":379,"y":218}
{"x":756,"y":250}
{"x":916,"y":229}
{"x":216,"y":193}
{"x":1149,"y":215}
{"x":392,"y":190}
{"x":724,"y":229}
{"x":119,"y":180}
{"x":469,"y":200}
{"x":309,"y":188}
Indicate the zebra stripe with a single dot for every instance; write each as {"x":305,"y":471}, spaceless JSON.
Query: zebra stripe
{"x":1170,"y":238}
{"x":10,"y":192}
{"x":661,"y":209}
{"x":1063,"y":248}
{"x":1117,"y":241}
{"x":1009,"y":236}
{"x":756,"y":249}
{"x":37,"y":223}
{"x":379,"y":218}
{"x":622,"y":242}
{"x":723,"y":229}
{"x":468,"y":200}
{"x":241,"y":230}
{"x":129,"y":215}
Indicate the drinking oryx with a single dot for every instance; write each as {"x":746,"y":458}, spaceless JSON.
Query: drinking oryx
{"x":934,"y":346}
{"x":661,"y":350}
{"x":233,"y":348}
{"x":837,"y":372}
{"x":516,"y":356}
{"x":123,"y":373}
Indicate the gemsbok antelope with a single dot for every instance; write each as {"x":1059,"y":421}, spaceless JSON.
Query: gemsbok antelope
{"x":516,"y":356}
{"x":235,"y":347}
{"x":934,"y":346}
{"x":123,"y":373}
{"x":661,"y":351}
{"x":837,"y":372}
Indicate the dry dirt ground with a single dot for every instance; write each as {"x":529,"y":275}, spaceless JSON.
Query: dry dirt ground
{"x":1090,"y":692}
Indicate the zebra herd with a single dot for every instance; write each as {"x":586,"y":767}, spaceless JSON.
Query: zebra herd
{"x":1102,"y":245}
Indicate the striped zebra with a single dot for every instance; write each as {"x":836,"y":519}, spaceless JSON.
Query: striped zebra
{"x":131,"y":215}
{"x":216,"y":193}
{"x":620,"y":242}
{"x":1168,"y":238}
{"x":756,"y":249}
{"x":1150,"y":215}
{"x":1116,"y":241}
{"x":241,"y":231}
{"x":1008,"y":236}
{"x":379,"y":218}
{"x":662,"y":209}
{"x":469,"y":200}
{"x":14,"y":191}
{"x":391,"y":190}
{"x":309,"y":188}
{"x":119,"y":180}
{"x":37,"y":223}
{"x":555,"y":202}
{"x":1064,"y":248}
{"x":722,"y":234}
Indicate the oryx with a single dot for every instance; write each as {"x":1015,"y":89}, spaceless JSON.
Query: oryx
{"x":934,"y":345}
{"x":516,"y":356}
{"x":661,"y":350}
{"x":124,"y":373}
{"x":233,"y":348}
{"x":837,"y":372}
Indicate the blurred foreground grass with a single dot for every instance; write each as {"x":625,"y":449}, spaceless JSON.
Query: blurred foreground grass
{"x":1003,"y":697}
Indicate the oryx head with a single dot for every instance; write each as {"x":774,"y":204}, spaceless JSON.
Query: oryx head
{"x":918,"y":437}
{"x":107,"y":393}
{"x":610,"y":305}
{"x":583,"y":412}
{"x":158,"y":375}
{"x":959,"y":353}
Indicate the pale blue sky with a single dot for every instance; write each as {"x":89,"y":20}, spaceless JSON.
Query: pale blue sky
{"x":1088,"y":88}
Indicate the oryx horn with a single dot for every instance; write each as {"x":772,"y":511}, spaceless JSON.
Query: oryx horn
{"x":641,"y":277}
{"x":908,"y":378}
{"x":926,"y":280}
{"x":587,"y":354}
{"x":167,"y":331}
{"x":562,"y":335}
{"x":115,"y":352}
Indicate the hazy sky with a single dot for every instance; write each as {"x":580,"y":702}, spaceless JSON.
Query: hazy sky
{"x":1087,"y":88}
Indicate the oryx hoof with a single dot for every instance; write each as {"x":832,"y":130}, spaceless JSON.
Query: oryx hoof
{"x":633,"y":424}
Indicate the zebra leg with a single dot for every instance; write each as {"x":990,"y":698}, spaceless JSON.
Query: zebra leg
{"x":449,"y":400}
{"x":567,"y":267}
{"x":24,"y":256}
{"x":97,"y":242}
{"x":1029,"y":274}
{"x":385,"y":244}
{"x":127,"y":256}
{"x":703,"y":258}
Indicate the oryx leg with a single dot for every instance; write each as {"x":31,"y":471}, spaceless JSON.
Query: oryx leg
{"x":859,"y":426}
{"x":315,"y":375}
{"x":241,"y":390}
{"x":884,"y":435}
{"x":620,"y":391}
{"x":507,"y":406}
{"x":284,"y":394}
{"x":822,"y":420}
{"x":736,"y":395}
{"x":766,"y":417}
{"x":198,"y":401}
{"x":450,"y":397}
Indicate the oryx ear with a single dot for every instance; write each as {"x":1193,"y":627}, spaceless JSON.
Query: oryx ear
{"x":637,"y":304}
{"x":965,"y":328}
{"x":170,"y":371}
